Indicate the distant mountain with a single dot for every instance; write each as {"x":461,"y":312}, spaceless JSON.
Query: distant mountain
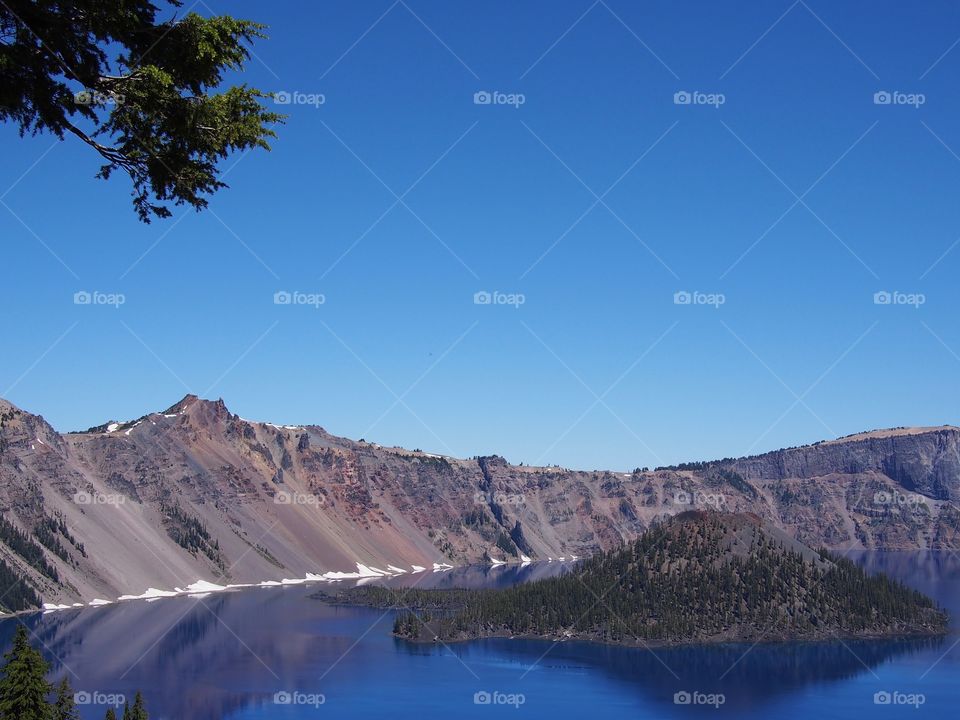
{"x":702,"y":576}
{"x":197,"y":493}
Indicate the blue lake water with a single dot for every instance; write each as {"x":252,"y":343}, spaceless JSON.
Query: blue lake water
{"x":277,"y":653}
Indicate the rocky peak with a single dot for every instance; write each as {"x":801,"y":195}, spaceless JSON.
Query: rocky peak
{"x":188,"y":401}
{"x":200,"y":409}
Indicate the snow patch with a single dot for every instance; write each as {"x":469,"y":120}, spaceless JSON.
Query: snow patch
{"x":150,"y":594}
{"x":364,"y":571}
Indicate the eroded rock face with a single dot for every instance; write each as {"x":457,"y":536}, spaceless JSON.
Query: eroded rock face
{"x":197,"y":492}
{"x":923,"y":462}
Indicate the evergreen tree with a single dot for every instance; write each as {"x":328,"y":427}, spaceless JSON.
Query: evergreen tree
{"x":141,"y":87}
{"x":24,"y":687}
{"x":138,"y":712}
{"x":64,"y":707}
{"x":24,"y":690}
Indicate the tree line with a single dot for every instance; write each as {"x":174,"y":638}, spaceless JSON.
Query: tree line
{"x":710,"y":579}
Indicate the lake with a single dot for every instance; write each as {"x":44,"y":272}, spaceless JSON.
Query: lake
{"x":277,"y":653}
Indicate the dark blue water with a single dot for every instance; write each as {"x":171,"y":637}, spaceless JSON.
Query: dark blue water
{"x":243,"y":655}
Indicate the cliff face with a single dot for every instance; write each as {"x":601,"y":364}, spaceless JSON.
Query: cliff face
{"x":195,"y":492}
{"x":923,"y":460}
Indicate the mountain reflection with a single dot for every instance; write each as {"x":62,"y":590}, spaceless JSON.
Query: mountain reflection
{"x":227,"y":654}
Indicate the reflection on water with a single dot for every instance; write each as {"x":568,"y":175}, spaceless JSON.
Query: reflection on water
{"x":226,"y":655}
{"x":747,"y":675}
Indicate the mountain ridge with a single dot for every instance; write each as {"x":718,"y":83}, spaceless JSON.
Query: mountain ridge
{"x":196,"y":492}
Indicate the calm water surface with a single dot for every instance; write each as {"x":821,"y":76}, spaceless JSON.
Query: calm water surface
{"x":229,"y":655}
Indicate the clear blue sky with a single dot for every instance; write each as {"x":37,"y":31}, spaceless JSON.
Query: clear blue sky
{"x":797,"y":352}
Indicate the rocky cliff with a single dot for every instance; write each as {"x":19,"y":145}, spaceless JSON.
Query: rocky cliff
{"x":197,"y":493}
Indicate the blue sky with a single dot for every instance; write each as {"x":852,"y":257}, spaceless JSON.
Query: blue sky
{"x":794,"y":197}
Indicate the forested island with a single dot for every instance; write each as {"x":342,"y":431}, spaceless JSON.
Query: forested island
{"x":700,"y":577}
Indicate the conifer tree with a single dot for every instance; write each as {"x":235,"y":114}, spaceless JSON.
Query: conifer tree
{"x":64,"y":707}
{"x":24,"y":687}
{"x":138,"y":712}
